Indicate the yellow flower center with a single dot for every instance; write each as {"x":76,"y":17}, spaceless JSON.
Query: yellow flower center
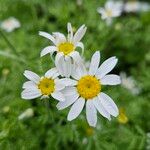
{"x":66,"y":48}
{"x":47,"y":86}
{"x":88,"y":87}
{"x":109,"y":12}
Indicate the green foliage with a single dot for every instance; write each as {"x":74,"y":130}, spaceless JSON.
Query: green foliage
{"x":128,"y":38}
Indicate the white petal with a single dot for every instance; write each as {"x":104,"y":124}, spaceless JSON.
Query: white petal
{"x":48,"y":49}
{"x":55,"y":75}
{"x":30,"y":94}
{"x":76,"y":57}
{"x":29,"y":85}
{"x":110,"y":80}
{"x":94,"y":63}
{"x":91,"y":113}
{"x":106,"y":67}
{"x":108,"y":104}
{"x":59,"y":85}
{"x":76,"y":72}
{"x":76,"y":109}
{"x":79,"y":34}
{"x":109,"y":5}
{"x":67,"y":66}
{"x":58,"y":96}
{"x":58,"y":64}
{"x":59,"y":38}
{"x":68,"y":82}
{"x":31,"y":76}
{"x":80,"y":44}
{"x":47,"y":35}
{"x":78,"y":63}
{"x":69,"y":90}
{"x":69,"y":101}
{"x":70,"y":32}
{"x":100,"y":10}
{"x":51,"y":72}
{"x":97,"y":103}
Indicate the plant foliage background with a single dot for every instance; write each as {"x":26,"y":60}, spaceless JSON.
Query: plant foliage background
{"x":128,"y":38}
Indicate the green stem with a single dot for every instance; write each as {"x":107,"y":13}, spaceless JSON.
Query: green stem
{"x":17,"y":55}
{"x":47,"y":105}
{"x":9,"y":44}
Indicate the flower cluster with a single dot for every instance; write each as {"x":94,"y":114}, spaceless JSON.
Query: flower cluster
{"x":113,"y":9}
{"x":70,"y":82}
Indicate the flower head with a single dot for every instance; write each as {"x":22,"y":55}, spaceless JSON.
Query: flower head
{"x":10,"y":24}
{"x":112,"y":9}
{"x":65,"y":47}
{"x":129,"y":83}
{"x":48,"y":85}
{"x":122,"y":118}
{"x":86,"y":89}
{"x":135,"y":6}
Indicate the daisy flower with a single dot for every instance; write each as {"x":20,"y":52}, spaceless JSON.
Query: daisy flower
{"x":10,"y":24}
{"x":86,"y":89}
{"x":135,"y":6}
{"x":111,"y":9}
{"x":65,"y":48}
{"x":129,"y":83}
{"x":48,"y":85}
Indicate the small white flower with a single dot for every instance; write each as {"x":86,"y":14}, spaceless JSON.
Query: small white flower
{"x":135,"y":6}
{"x":112,"y":9}
{"x":65,"y":47}
{"x":79,"y":2}
{"x":28,"y":113}
{"x":129,"y":83}
{"x":10,"y":24}
{"x":85,"y":89}
{"x":43,"y":87}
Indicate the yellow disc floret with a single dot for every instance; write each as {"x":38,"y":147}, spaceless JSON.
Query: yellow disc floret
{"x":109,"y":13}
{"x":66,"y":48}
{"x":47,"y":86}
{"x":88,"y":87}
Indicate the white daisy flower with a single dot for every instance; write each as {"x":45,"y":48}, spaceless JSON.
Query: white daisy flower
{"x":135,"y":6}
{"x":86,"y":89}
{"x":65,"y":47}
{"x":48,"y":85}
{"x":129,"y":83}
{"x":10,"y":24}
{"x":111,"y":9}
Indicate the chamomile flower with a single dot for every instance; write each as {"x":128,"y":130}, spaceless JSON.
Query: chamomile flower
{"x":111,"y":9}
{"x":136,"y":6}
{"x":86,"y":89}
{"x":48,"y":85}
{"x":129,"y":83}
{"x":10,"y":24}
{"x":65,"y":48}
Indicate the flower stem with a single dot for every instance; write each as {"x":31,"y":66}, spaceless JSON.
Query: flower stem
{"x":12,"y":48}
{"x":9,"y":44}
{"x":47,"y":105}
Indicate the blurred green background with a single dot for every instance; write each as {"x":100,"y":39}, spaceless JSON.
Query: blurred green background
{"x":128,"y":38}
